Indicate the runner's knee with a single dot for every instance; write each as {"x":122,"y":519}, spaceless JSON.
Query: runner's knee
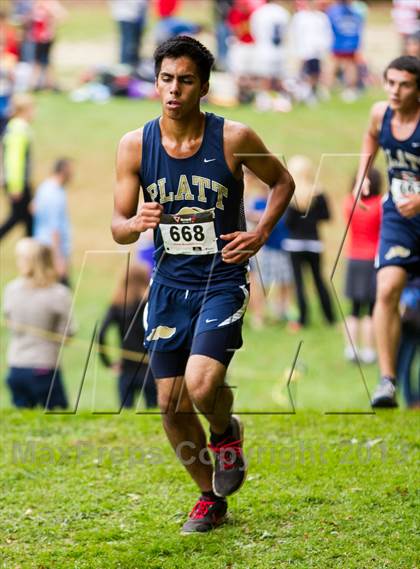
{"x":388,"y":292}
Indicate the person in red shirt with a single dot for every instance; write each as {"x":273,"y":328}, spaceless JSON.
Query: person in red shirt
{"x":8,"y":39}
{"x":364,"y":224}
{"x":9,"y":52}
{"x":166,"y":8}
{"x":46,"y":15}
{"x":241,"y":52}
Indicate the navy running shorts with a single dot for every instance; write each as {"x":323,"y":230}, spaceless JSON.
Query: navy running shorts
{"x":182,"y":322}
{"x":399,"y":244}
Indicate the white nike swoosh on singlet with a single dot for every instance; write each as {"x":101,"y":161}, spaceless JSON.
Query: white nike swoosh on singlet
{"x":209,"y":160}
{"x":415,"y":144}
{"x":208,"y":320}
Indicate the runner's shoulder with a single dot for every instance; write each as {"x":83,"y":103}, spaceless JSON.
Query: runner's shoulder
{"x":377,"y":115}
{"x":238,"y":136}
{"x":237,"y":129}
{"x":132,"y":140}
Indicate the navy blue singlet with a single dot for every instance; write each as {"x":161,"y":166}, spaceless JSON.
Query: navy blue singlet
{"x":403,"y":157}
{"x":187,"y":185}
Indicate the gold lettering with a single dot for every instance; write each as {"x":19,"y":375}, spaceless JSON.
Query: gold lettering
{"x":162,"y":191}
{"x":184,"y":190}
{"x":222,"y":192}
{"x":413,"y":160}
{"x":152,"y":191}
{"x":202,"y":184}
{"x":401,"y":159}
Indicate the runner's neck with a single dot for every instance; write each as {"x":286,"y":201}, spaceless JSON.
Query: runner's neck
{"x":190,"y":127}
{"x":407,"y":116}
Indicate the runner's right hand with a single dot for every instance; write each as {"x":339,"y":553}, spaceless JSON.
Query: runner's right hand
{"x":365,"y":188}
{"x":364,"y":192}
{"x":148,"y":217}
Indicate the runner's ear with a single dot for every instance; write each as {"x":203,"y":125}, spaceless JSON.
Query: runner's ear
{"x":205,"y":89}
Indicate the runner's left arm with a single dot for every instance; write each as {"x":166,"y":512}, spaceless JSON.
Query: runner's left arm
{"x":252,"y":153}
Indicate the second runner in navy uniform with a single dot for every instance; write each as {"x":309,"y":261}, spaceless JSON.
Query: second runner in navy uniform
{"x":395,"y":126}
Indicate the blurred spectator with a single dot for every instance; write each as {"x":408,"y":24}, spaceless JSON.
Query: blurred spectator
{"x":22,"y":17}
{"x":169,"y":26}
{"x":8,"y":38}
{"x":223,"y":32}
{"x":145,"y":250}
{"x":8,"y":56}
{"x":166,"y":8}
{"x":51,"y":218}
{"x":308,"y":208}
{"x":38,"y":313}
{"x":405,"y":14}
{"x":16,"y":152}
{"x":409,"y":343}
{"x":364,"y":223}
{"x":347,"y":26}
{"x":268,"y":24}
{"x":241,"y":53}
{"x":312,"y":38}
{"x":46,"y":15}
{"x":126,"y":313}
{"x":271,"y":271}
{"x":131,"y":18}
{"x":412,"y":45}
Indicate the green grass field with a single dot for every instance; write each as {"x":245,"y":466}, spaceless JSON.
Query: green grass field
{"x":331,"y":485}
{"x":106,"y":492}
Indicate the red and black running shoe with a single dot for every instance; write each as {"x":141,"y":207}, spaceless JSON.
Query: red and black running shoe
{"x":230,"y":465}
{"x":206,"y":515}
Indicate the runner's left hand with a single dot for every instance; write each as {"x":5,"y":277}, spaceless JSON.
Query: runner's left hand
{"x":242,"y":245}
{"x":409,"y":206}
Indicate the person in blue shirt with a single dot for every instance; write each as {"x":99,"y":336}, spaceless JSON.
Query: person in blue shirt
{"x":51,"y":218}
{"x":347,"y":26}
{"x":271,"y":274}
{"x":189,"y":165}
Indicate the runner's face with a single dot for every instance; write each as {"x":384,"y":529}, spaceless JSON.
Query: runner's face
{"x":179,"y":86}
{"x":402,"y":89}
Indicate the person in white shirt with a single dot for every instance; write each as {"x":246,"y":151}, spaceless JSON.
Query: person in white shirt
{"x":131,"y":18}
{"x":405,"y":14}
{"x":268,"y":25}
{"x":311,"y":37}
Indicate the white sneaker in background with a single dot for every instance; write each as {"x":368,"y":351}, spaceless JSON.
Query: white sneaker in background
{"x":349,"y":96}
{"x":350,"y":354}
{"x":368,"y":356}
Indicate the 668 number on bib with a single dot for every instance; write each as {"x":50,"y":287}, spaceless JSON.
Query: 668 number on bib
{"x":189,"y":233}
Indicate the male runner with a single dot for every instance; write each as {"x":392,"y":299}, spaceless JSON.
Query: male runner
{"x":395,"y":126}
{"x":189,"y":165}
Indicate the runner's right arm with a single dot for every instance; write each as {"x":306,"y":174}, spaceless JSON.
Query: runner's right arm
{"x":129,"y":220}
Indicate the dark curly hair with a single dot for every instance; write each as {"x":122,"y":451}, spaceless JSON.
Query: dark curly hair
{"x":407,"y":63}
{"x":185,"y":46}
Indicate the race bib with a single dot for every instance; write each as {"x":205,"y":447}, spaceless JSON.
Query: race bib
{"x":402,"y":187}
{"x":189,"y":233}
